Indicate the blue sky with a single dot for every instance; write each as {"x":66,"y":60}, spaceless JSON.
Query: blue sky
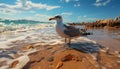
{"x":70,"y":10}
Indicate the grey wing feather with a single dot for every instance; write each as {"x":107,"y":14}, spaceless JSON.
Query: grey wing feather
{"x":72,"y":31}
{"x":70,"y":27}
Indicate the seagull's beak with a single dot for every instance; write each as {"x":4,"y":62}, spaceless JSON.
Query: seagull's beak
{"x":51,"y":19}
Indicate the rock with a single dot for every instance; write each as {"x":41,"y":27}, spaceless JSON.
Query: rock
{"x":67,"y":58}
{"x":20,"y":62}
{"x":109,"y":28}
{"x":39,"y":60}
{"x":116,"y":27}
{"x":110,"y":23}
{"x":29,"y":47}
{"x":13,"y":65}
{"x":50,"y":59}
{"x":60,"y":64}
{"x":106,"y":49}
{"x":71,"y":57}
{"x":117,"y":52}
{"x":77,"y":58}
{"x":109,"y":52}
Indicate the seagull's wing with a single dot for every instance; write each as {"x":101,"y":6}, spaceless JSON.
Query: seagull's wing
{"x":72,"y":31}
{"x":70,"y":27}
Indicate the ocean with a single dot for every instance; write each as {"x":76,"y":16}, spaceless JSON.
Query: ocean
{"x":15,"y":30}
{"x":29,"y":32}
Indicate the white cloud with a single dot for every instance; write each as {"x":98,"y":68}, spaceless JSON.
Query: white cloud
{"x":101,"y":2}
{"x":84,"y":16}
{"x":98,"y":0}
{"x":41,"y":17}
{"x":76,"y":0}
{"x":67,"y":1}
{"x":24,"y":5}
{"x":106,"y":2}
{"x":66,"y":13}
{"x":76,"y":5}
{"x":7,"y":11}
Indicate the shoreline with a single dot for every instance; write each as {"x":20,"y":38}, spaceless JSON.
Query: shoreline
{"x":47,"y":51}
{"x":85,"y":54}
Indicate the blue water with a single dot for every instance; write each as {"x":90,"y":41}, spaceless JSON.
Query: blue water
{"x":10,"y":29}
{"x":40,"y":31}
{"x":12,"y":25}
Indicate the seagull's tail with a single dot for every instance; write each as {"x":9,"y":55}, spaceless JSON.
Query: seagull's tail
{"x":84,"y":32}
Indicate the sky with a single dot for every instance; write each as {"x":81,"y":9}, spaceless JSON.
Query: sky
{"x":70,"y":10}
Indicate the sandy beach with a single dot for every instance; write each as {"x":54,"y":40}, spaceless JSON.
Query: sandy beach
{"x":82,"y":53}
{"x":41,"y":48}
{"x":61,"y":57}
{"x":44,"y":49}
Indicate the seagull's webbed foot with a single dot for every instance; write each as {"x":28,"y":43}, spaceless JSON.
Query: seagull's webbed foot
{"x":67,"y":46}
{"x":69,"y":43}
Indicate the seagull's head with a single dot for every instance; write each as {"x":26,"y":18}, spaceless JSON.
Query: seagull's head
{"x":58,"y":18}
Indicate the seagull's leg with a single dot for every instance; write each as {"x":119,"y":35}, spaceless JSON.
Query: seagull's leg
{"x":69,"y":41}
{"x":65,"y":40}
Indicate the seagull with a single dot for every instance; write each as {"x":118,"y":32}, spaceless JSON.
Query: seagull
{"x":66,"y":31}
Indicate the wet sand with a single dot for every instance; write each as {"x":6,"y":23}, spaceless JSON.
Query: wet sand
{"x":106,"y":41}
{"x":97,"y":51}
{"x":106,"y":38}
{"x":85,"y":54}
{"x":64,"y":57}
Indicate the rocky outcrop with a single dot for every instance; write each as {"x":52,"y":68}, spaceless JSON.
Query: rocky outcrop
{"x":102,"y":23}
